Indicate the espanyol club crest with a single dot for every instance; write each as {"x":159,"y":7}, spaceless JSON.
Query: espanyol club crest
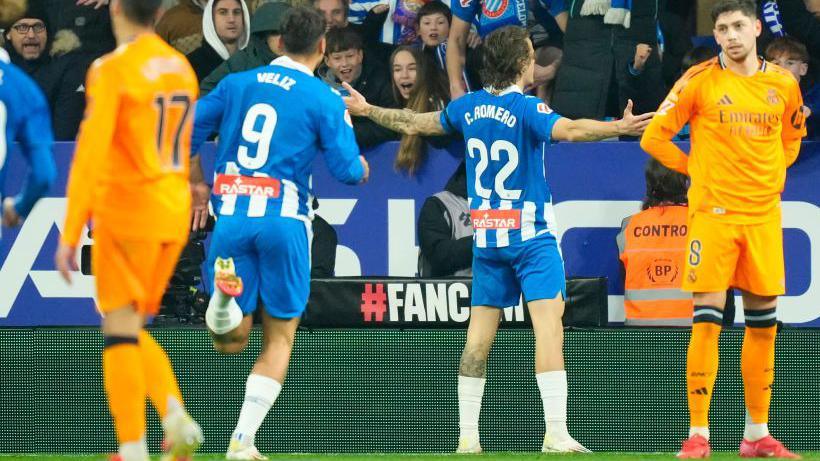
{"x":494,"y":8}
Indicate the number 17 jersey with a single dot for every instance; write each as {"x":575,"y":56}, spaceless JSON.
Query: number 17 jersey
{"x":506,"y":137}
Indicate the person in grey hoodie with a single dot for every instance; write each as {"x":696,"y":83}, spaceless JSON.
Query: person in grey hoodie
{"x":225,"y":28}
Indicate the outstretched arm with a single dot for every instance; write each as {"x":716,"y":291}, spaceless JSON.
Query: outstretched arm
{"x":401,"y":120}
{"x":594,"y":130}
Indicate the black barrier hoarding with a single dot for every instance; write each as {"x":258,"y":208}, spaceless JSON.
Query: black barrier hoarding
{"x":432,"y":303}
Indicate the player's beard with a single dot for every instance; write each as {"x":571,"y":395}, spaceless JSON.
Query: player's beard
{"x":741,"y":57}
{"x":11,"y":11}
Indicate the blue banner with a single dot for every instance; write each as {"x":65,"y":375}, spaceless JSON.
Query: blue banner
{"x":595,"y":186}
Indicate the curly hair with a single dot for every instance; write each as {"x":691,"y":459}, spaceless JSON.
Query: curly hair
{"x":507,"y":54}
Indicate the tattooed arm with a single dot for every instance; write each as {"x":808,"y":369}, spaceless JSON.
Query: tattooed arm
{"x":400,"y":120}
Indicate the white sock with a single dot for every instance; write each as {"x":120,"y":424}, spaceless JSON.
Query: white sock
{"x":175,"y":408}
{"x":470,"y":392}
{"x":223,"y":314}
{"x":260,"y":393}
{"x":702,"y":431}
{"x":754,"y":431}
{"x":553,"y":388}
{"x":134,"y":451}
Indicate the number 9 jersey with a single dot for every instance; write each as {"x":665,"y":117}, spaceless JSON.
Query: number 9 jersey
{"x":272,"y":122}
{"x":506,"y":137}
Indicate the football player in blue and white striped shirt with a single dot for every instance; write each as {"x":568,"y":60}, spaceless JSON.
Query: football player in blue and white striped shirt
{"x":515,"y":250}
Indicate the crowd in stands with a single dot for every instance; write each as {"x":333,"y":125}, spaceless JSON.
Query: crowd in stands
{"x":591,"y":57}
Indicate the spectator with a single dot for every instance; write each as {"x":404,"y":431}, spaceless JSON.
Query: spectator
{"x":26,"y":43}
{"x":262,"y":48}
{"x":433,"y":23}
{"x":89,"y":20}
{"x":594,"y":79}
{"x":490,"y":15}
{"x":225,"y":28}
{"x":418,"y":85}
{"x":446,"y":231}
{"x":346,"y":62}
{"x":181,"y":26}
{"x":791,"y":17}
{"x":789,"y":53}
{"x":652,"y":245}
{"x":437,"y":18}
{"x":334,"y":11}
{"x":63,"y":82}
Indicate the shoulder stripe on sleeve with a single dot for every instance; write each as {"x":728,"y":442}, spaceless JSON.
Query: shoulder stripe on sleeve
{"x":450,"y":125}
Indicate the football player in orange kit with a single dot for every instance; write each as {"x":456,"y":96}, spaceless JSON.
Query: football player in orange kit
{"x":130,"y":176}
{"x":746,"y":127}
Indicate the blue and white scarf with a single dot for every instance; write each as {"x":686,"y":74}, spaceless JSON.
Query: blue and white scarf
{"x":771,"y":16}
{"x":614,"y":11}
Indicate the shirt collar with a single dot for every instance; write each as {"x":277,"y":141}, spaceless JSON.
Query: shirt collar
{"x":508,"y":90}
{"x":761,"y":68}
{"x":289,"y":63}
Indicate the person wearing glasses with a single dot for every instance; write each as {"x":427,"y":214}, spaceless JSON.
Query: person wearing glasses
{"x":26,"y":43}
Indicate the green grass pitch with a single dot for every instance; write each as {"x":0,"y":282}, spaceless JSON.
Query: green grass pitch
{"x":417,"y":457}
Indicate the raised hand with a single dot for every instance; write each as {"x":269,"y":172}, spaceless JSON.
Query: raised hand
{"x":634,"y":125}
{"x":356,"y":104}
{"x":642,"y":53}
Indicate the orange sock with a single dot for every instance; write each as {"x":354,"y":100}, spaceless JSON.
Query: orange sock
{"x":757,"y":362}
{"x":161,"y":383}
{"x":702,"y":363}
{"x":125,"y":387}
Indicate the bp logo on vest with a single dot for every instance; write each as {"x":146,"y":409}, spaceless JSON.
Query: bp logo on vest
{"x":662,"y":271}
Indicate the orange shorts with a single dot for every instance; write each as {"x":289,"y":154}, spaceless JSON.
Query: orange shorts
{"x":745,"y":256}
{"x":131,"y":272}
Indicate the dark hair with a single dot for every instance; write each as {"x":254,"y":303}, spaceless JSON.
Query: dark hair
{"x":506,"y":55}
{"x":434,"y":7}
{"x":342,"y":39}
{"x":430,"y":93}
{"x":141,"y":11}
{"x":747,"y":7}
{"x":302,"y":30}
{"x":345,"y":5}
{"x":696,"y":55}
{"x":664,"y":186}
{"x":789,"y":46}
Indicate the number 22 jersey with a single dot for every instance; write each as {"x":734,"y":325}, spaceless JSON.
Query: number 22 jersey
{"x":506,"y":138}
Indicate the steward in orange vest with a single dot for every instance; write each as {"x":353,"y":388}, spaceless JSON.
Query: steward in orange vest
{"x":652,"y":246}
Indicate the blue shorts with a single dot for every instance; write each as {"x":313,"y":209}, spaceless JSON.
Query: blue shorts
{"x":501,"y":274}
{"x":272,"y":256}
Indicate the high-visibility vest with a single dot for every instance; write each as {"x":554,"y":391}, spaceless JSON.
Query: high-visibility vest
{"x":652,"y":246}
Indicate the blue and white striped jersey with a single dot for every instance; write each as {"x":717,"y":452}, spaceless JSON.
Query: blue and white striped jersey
{"x":272,"y":122}
{"x":494,"y":14}
{"x":506,"y":138}
{"x":358,"y":9}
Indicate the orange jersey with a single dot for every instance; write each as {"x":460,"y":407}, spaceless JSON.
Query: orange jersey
{"x":745,"y":131}
{"x":131,"y":164}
